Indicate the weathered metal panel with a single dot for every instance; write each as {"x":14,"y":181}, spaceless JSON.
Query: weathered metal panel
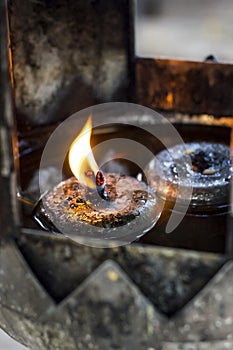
{"x":68,"y":55}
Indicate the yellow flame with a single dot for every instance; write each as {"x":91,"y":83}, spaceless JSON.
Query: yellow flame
{"x":81,"y":158}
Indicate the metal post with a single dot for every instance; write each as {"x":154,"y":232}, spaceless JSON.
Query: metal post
{"x":229,"y":247}
{"x":7,"y":164}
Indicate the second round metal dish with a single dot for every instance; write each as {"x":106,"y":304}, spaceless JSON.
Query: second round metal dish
{"x":202,"y":166}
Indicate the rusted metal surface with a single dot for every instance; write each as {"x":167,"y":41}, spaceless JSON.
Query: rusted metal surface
{"x":186,"y":87}
{"x":68,"y":55}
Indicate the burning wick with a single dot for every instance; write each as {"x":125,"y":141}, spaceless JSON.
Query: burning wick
{"x":83,"y":164}
{"x":81,"y":159}
{"x":100,"y":183}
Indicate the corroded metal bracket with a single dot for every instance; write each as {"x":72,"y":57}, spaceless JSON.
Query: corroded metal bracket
{"x":185,"y":87}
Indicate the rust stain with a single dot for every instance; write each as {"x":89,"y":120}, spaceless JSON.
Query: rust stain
{"x":170,"y":99}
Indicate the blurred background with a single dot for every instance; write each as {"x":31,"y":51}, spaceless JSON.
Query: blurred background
{"x":186,"y":29}
{"x":182,"y":29}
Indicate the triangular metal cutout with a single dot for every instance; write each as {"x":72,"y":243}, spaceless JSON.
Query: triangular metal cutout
{"x":209,"y":315}
{"x":169,"y":278}
{"x":109,"y":308}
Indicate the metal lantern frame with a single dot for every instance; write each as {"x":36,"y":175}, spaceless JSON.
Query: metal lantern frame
{"x":55,"y":294}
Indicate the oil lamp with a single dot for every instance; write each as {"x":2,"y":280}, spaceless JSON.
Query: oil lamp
{"x":92,"y":205}
{"x":209,"y":174}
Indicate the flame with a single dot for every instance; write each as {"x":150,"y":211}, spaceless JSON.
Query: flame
{"x":81,"y":159}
